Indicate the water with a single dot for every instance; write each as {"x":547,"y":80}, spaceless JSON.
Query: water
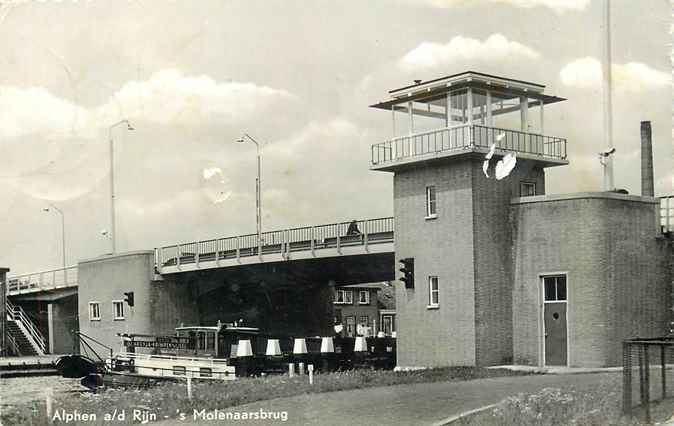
{"x":22,"y":390}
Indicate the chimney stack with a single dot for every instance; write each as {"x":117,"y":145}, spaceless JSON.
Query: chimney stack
{"x":647,"y":189}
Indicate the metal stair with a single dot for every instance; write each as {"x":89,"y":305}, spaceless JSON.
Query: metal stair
{"x":25,"y":338}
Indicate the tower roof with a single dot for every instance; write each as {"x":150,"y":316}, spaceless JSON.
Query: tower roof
{"x":433,"y":90}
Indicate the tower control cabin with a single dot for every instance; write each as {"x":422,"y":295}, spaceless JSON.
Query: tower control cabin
{"x":502,"y":272}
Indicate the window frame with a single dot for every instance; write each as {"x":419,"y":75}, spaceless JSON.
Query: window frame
{"x":433,"y":279}
{"x":431,"y":202}
{"x":556,"y":284}
{"x":347,"y":297}
{"x":116,"y":317}
{"x":526,"y":183}
{"x":98,"y":307}
{"x":367,"y":297}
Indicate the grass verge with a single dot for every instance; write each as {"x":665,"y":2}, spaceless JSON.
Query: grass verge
{"x":552,"y":406}
{"x":168,"y":400}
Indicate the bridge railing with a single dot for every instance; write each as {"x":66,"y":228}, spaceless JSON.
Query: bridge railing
{"x":284,"y":241}
{"x":45,"y":280}
{"x":466,"y":136}
{"x":667,"y":213}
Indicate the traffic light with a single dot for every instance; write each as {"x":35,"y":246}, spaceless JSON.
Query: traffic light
{"x":128,"y":297}
{"x":408,"y":272}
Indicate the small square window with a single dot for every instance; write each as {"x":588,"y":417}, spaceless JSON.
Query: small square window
{"x":364,"y":297}
{"x":527,"y":189}
{"x":431,"y":202}
{"x":205,"y":372}
{"x":433,"y":292}
{"x":94,"y":311}
{"x":118,"y":309}
{"x":555,"y":288}
{"x":179,"y":370}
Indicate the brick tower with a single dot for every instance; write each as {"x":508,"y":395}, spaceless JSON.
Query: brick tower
{"x":452,"y":219}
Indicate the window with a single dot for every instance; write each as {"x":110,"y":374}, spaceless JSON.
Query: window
{"x":365,"y":320}
{"x":387,"y":324}
{"x":555,"y":288}
{"x":350,"y":326}
{"x":364,"y":297}
{"x":433,"y":292}
{"x":205,"y":372}
{"x":527,"y":189}
{"x":431,"y":208}
{"x":338,"y":316}
{"x":179,"y":370}
{"x":118,"y":309}
{"x":94,"y":311}
{"x":344,"y":297}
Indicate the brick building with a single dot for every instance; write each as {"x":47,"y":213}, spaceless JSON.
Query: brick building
{"x":502,"y":271}
{"x":365,"y":305}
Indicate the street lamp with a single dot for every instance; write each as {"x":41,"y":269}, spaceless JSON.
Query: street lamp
{"x":63,"y":236}
{"x":258,"y":190}
{"x":112,"y":181}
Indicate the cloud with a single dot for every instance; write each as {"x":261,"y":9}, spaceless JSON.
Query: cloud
{"x":167,"y":97}
{"x":459,"y":48}
{"x":170,"y":97}
{"x":559,"y":6}
{"x":586,"y":73}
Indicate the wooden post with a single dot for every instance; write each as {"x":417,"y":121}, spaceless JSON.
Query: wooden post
{"x":291,"y":369}
{"x":310,"y":368}
{"x":189,"y":388}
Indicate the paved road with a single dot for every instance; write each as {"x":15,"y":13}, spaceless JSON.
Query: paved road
{"x":418,"y":404}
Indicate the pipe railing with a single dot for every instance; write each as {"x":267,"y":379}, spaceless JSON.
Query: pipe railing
{"x":284,"y":241}
{"x":18,"y":315}
{"x":465,"y":137}
{"x":45,"y":280}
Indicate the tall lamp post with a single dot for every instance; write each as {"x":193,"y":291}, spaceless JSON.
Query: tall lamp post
{"x":112,"y":181}
{"x":63,"y":236}
{"x":258,"y":190}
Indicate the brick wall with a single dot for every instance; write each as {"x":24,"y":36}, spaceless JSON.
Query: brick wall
{"x":493,"y":260}
{"x":618,"y":279}
{"x":441,"y":247}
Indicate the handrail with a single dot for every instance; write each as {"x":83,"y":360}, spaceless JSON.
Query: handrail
{"x":467,"y":136}
{"x":283,"y":241}
{"x":51,"y":279}
{"x":14,"y":345}
{"x":18,"y":315}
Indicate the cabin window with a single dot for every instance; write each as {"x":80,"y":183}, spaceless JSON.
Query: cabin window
{"x":205,"y":372}
{"x":179,"y":370}
{"x":364,"y":297}
{"x":118,"y":309}
{"x":210,"y":340}
{"x":202,"y":341}
{"x":94,"y":311}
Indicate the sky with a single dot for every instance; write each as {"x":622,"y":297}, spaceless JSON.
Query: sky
{"x":297,"y":76}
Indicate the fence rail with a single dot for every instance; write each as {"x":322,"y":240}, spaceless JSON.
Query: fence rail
{"x":45,"y":280}
{"x":18,"y":315}
{"x":667,"y":213}
{"x":465,"y":137}
{"x":284,"y":241}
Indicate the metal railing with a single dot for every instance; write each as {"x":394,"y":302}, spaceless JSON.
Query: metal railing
{"x":285,"y":241}
{"x":18,"y":315}
{"x":45,"y":280}
{"x":466,"y":137}
{"x":667,"y":213}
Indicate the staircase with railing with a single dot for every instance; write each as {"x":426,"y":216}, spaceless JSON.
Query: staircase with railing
{"x":25,"y":337}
